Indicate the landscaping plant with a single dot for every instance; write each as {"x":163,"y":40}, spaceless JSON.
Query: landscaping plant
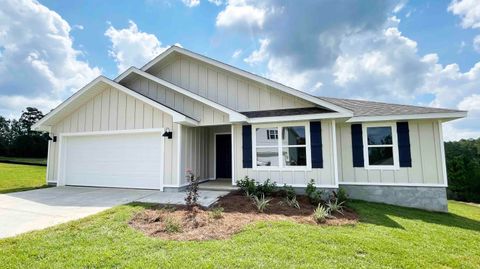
{"x":192,"y":198}
{"x":292,"y":202}
{"x":335,"y":206}
{"x":341,"y":195}
{"x":172,"y":226}
{"x":261,"y":203}
{"x":321,"y":214}
{"x":247,"y":185}
{"x":314,"y":195}
{"x":289,"y":191}
{"x":267,"y":188}
{"x":216,"y":213}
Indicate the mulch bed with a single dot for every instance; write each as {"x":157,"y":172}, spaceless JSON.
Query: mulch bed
{"x":238,"y":211}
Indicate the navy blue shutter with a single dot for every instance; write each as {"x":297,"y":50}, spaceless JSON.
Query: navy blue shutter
{"x":247,"y":146}
{"x":357,"y":145}
{"x":404,"y":144}
{"x":316,"y":144}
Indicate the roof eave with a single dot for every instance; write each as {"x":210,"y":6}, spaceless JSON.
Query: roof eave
{"x":446,"y":116}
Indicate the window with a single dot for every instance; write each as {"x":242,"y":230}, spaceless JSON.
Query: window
{"x":272,"y":134}
{"x":290,"y":150}
{"x":380,"y":146}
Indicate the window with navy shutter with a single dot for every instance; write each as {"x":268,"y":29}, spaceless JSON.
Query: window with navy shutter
{"x":247,"y":146}
{"x":404,"y":144}
{"x":316,"y":144}
{"x":357,"y":145}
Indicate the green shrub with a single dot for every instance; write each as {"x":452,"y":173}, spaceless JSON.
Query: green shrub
{"x":335,"y":206}
{"x":267,"y":188}
{"x":314,"y":195}
{"x":172,"y":226}
{"x":261,"y":203}
{"x":247,"y":185}
{"x":341,"y":195}
{"x":321,"y":214}
{"x":216,"y":213}
{"x":289,"y":191}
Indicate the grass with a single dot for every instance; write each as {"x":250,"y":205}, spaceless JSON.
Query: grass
{"x":20,"y":177}
{"x":20,"y":160}
{"x":387,"y":237}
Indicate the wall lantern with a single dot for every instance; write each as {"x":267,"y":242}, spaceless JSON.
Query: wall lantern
{"x":54,"y":138}
{"x":167,"y":133}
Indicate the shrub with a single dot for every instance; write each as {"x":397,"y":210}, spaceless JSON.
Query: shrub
{"x":247,"y":185}
{"x":216,"y":213}
{"x":292,"y":202}
{"x":321,"y":214}
{"x":261,"y":203}
{"x":192,"y":190}
{"x":335,"y":206}
{"x":289,"y":191}
{"x":341,"y":195}
{"x":172,"y":226}
{"x":267,"y":188}
{"x":314,"y":195}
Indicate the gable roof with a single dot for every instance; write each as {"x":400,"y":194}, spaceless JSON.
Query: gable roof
{"x":234,"y":115}
{"x":91,"y":89}
{"x":369,"y":110}
{"x":174,"y":49}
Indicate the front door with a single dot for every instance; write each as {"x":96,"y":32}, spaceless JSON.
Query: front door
{"x":223,"y":153}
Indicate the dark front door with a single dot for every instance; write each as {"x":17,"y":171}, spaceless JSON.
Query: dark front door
{"x":223,"y":153}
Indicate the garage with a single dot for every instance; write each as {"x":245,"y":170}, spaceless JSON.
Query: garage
{"x":122,"y":160}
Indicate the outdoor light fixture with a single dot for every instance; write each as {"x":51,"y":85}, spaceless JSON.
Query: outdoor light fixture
{"x":54,"y":138}
{"x":167,"y":133}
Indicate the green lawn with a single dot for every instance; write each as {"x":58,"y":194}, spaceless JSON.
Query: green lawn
{"x":20,"y":160}
{"x":387,"y":237}
{"x":20,"y":177}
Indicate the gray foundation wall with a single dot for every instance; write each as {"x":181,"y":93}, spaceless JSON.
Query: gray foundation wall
{"x":429,"y":198}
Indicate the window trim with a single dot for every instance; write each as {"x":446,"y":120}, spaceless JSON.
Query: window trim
{"x":279,"y":147}
{"x":396,"y":164}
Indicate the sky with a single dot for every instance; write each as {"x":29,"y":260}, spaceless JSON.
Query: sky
{"x":410,"y":52}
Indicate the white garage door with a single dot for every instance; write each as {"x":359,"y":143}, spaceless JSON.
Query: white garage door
{"x":116,"y":160}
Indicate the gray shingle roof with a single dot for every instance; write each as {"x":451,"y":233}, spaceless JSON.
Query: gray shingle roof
{"x":370,"y":108}
{"x":285,"y":112}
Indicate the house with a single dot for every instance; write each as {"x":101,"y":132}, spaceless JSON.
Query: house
{"x":185,"y":111}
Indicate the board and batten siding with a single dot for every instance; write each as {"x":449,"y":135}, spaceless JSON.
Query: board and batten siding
{"x":199,"y":111}
{"x":425,"y":153}
{"x":323,"y":177}
{"x":194,"y":152}
{"x":113,"y":110}
{"x":224,"y":87}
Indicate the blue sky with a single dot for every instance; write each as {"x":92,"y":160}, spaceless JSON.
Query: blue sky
{"x":412,"y":52}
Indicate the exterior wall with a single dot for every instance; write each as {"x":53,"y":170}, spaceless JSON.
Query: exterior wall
{"x":205,"y":114}
{"x":194,"y":152}
{"x":323,"y":177}
{"x":114,"y":110}
{"x":429,"y":198}
{"x":226,"y":88}
{"x":426,"y":153}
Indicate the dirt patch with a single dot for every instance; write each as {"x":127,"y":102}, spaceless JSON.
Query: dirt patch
{"x":174,"y":222}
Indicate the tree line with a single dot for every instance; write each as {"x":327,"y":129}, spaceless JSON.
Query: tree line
{"x":17,"y":139}
{"x":463,"y":169}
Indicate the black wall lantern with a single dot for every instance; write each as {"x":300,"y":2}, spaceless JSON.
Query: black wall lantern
{"x":167,"y":133}
{"x":54,"y":138}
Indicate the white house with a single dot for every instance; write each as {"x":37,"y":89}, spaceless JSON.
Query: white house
{"x":185,"y":111}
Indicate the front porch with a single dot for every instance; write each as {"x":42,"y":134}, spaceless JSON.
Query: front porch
{"x":219,"y":184}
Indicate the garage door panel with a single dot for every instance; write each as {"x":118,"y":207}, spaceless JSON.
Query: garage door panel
{"x":121,"y":160}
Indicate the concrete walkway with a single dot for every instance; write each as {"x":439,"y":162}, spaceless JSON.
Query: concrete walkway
{"x":26,"y":211}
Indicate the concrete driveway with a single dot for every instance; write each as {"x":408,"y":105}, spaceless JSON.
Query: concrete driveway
{"x":26,"y":211}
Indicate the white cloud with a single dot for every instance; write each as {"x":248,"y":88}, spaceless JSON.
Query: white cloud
{"x":476,"y":43}
{"x":131,"y":47}
{"x":38,"y":64}
{"x":237,"y":53}
{"x":468,"y":10}
{"x":317,"y":48}
{"x":259,"y":55}
{"x":216,"y":2}
{"x":239,"y":13}
{"x":191,"y":3}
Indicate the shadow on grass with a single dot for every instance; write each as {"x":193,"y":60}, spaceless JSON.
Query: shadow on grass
{"x":25,"y":189}
{"x":379,"y":214}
